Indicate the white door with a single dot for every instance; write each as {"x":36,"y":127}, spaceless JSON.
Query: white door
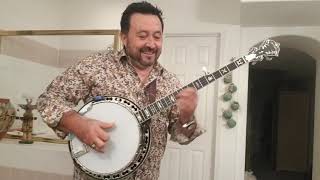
{"x":185,"y":55}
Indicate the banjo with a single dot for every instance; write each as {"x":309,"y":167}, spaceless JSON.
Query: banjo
{"x":125,"y":153}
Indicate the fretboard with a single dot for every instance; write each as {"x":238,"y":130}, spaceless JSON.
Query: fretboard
{"x":156,"y":107}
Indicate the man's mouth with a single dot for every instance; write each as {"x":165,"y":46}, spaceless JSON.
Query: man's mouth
{"x":148,"y":51}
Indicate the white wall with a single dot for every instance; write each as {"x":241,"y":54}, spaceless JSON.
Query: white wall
{"x":31,"y":14}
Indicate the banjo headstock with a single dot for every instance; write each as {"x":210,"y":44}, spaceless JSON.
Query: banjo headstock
{"x":268,"y":49}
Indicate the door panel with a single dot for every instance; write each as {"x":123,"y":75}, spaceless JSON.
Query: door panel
{"x":186,"y":55}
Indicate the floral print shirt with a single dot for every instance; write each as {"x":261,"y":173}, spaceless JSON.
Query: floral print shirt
{"x":109,"y":73}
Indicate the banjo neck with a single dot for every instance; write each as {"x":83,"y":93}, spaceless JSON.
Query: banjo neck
{"x":146,"y":113}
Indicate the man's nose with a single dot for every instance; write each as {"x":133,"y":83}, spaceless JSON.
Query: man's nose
{"x":151,"y":43}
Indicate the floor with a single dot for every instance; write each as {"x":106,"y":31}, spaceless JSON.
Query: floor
{"x":263,"y":171}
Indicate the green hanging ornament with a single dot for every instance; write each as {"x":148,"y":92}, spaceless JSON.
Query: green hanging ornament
{"x":227,"y":114}
{"x":227,"y":78}
{"x":232,"y":88}
{"x":227,"y":96}
{"x":231,"y":123}
{"x":234,"y":105}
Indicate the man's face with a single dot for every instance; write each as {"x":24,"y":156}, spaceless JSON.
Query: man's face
{"x":143,"y":42}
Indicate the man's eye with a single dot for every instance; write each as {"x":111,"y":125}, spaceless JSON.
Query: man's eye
{"x":157,"y":37}
{"x":142,"y":36}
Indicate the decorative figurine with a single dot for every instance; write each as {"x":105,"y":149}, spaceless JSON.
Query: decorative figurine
{"x":231,"y":123}
{"x":227,"y":96}
{"x":227,"y":78}
{"x":234,"y":105}
{"x":227,"y":114}
{"x":232,"y":88}
{"x":27,"y":122}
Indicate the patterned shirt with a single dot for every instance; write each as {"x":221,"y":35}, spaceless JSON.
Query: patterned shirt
{"x":109,"y":73}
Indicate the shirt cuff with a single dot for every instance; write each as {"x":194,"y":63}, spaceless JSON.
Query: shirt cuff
{"x":53,"y":119}
{"x":179,"y":137}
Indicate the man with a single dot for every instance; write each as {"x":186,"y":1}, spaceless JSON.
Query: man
{"x":129,"y":73}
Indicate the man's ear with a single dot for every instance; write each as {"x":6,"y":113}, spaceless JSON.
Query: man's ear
{"x":124,"y":38}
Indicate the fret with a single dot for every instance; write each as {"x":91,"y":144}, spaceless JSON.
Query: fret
{"x":159,"y":105}
{"x":210,"y":78}
{"x":146,"y":112}
{"x":168,"y":101}
{"x":224,"y":70}
{"x":154,"y":110}
{"x":156,"y":106}
{"x":176,"y":92}
{"x":144,"y":115}
{"x":217,"y":74}
{"x":240,"y":62}
{"x":164,"y":103}
{"x":139,"y":115}
{"x":197,"y":84}
{"x":150,"y":110}
{"x":191,"y":85}
{"x":179,"y":90}
{"x":172,"y":98}
{"x":232,"y":66}
{"x":203,"y":80}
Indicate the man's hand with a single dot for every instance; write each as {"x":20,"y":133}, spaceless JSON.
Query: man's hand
{"x":93,"y":133}
{"x":90,"y":131}
{"x":187,"y":101}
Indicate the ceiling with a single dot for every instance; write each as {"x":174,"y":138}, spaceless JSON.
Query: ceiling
{"x":280,"y":13}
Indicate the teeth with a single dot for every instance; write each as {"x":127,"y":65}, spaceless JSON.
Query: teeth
{"x":148,"y":53}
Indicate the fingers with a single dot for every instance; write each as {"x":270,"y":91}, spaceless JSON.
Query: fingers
{"x":100,"y":140}
{"x":187,"y":97}
{"x":95,"y":134}
{"x":99,"y":145}
{"x":187,"y":93}
{"x":106,"y":125}
{"x":187,"y":101}
{"x":103,"y":135}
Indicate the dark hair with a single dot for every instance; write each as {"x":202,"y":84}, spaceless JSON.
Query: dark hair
{"x":142,"y":7}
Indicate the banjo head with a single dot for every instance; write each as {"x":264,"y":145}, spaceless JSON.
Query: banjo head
{"x":128,"y":144}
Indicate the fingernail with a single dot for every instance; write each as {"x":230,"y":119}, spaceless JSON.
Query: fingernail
{"x":113,"y":124}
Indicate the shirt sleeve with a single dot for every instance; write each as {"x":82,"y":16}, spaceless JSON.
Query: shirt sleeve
{"x":61,"y":96}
